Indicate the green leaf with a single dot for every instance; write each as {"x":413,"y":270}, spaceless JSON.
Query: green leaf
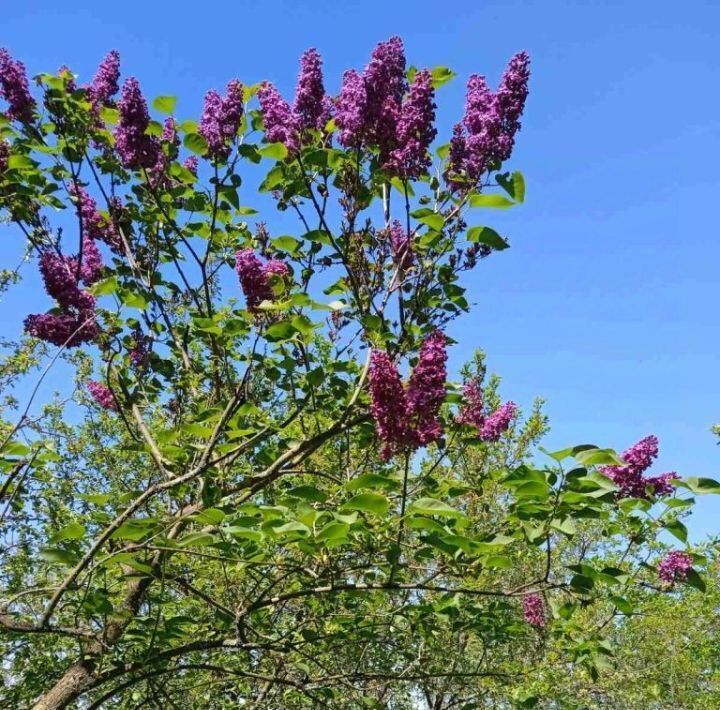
{"x":333,"y":531}
{"x":695,"y":580}
{"x":195,"y":143}
{"x":371,"y":480}
{"x":369,"y":502}
{"x":433,"y":220}
{"x":277,"y":151}
{"x":532,"y":489}
{"x":308,"y":493}
{"x":622,"y":604}
{"x":677,"y":529}
{"x":441,"y":75}
{"x":19,"y":162}
{"x":492,"y":200}
{"x":702,"y":486}
{"x":486,"y":235}
{"x":598,"y":457}
{"x":282,"y":330}
{"x":431,"y":506}
{"x":58,"y":555}
{"x":165,"y":104}
{"x":197,"y":539}
{"x":72,"y":531}
{"x":286,"y":243}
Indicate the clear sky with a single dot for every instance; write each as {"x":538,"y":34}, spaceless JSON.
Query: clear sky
{"x":607,"y":303}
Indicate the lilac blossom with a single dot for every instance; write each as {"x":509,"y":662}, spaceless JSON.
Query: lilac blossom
{"x":14,"y":88}
{"x":674,"y":567}
{"x":92,"y":262}
{"x":310,"y":107}
{"x":281,"y":124}
{"x":402,"y":245}
{"x":105,"y":82}
{"x":415,"y":130}
{"x":254,"y":277}
{"x":534,"y":610}
{"x":135,"y":148}
{"x":426,"y":388}
{"x":102,"y":395}
{"x":388,"y":405}
{"x":472,"y":410}
{"x":220,"y":119}
{"x":4,"y":155}
{"x":68,"y":329}
{"x":498,"y":422}
{"x":350,"y":108}
{"x":191,"y":164}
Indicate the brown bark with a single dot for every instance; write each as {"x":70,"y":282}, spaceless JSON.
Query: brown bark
{"x":81,"y":674}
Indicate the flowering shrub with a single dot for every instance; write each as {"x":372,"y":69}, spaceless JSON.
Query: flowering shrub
{"x":288,"y":502}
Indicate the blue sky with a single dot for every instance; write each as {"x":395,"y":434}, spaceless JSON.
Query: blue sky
{"x":607,"y":303}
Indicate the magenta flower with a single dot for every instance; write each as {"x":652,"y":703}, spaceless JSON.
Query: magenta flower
{"x":59,"y":274}
{"x":94,"y":224}
{"x":674,"y":567}
{"x":92,"y":262}
{"x":402,"y":245}
{"x":105,"y":82}
{"x":281,"y":124}
{"x":534,"y":610}
{"x":102,"y":395}
{"x":415,"y":129}
{"x":350,"y":109}
{"x":191,"y":164}
{"x":472,"y":411}
{"x":135,"y":149}
{"x":69,"y":329}
{"x":486,"y":136}
{"x":4,"y":155}
{"x":140,"y":349}
{"x":426,"y":389}
{"x":629,"y":477}
{"x":498,"y":422}
{"x":388,"y":406}
{"x":310,"y":107}
{"x":221,"y":118}
{"x":169,"y":133}
{"x":14,"y":88}
{"x":254,"y":277}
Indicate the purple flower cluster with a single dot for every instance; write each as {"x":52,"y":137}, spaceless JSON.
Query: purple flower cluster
{"x":281,"y":123}
{"x":472,"y":412}
{"x":426,"y":388}
{"x":310,"y":107}
{"x":140,"y":349}
{"x":674,"y":567}
{"x":105,"y":82}
{"x":498,"y":422}
{"x":408,"y":418}
{"x":534,"y":610}
{"x":415,"y":129}
{"x":95,"y":226}
{"x":169,"y":132}
{"x":491,"y":427}
{"x":191,"y":164}
{"x":486,"y":136}
{"x":135,"y":148}
{"x":92,"y":262}
{"x":350,"y":109}
{"x":368,"y":108}
{"x":402,"y":245}
{"x":220,"y":119}
{"x":68,"y":329}
{"x":254,"y":277}
{"x":4,"y":155}
{"x":388,"y":406}
{"x":14,"y":88}
{"x":376,"y":109}
{"x":629,"y":477}
{"x":102,"y":395}
{"x":75,"y":324}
